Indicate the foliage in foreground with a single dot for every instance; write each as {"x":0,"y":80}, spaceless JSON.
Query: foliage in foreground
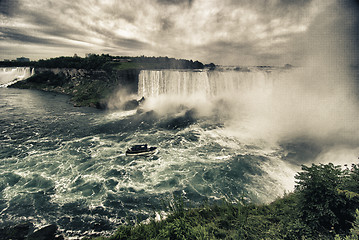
{"x":322,"y":207}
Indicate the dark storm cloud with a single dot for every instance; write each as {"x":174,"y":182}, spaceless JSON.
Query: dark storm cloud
{"x":7,"y":7}
{"x":351,"y":8}
{"x":130,"y":43}
{"x":15,"y":35}
{"x":296,"y":3}
{"x":273,"y":5}
{"x":351,"y":4}
{"x":176,"y":2}
{"x":52,"y":26}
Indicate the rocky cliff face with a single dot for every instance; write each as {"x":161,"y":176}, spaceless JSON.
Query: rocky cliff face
{"x":86,"y":87}
{"x":68,"y":72}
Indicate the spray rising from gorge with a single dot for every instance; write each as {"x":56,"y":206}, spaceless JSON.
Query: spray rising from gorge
{"x":277,"y":103}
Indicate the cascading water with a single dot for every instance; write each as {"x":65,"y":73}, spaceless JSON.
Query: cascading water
{"x":203,"y":83}
{"x":10,"y":75}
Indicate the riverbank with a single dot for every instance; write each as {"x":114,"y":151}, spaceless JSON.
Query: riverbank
{"x":86,"y":88}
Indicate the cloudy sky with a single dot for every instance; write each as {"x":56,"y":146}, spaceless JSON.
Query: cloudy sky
{"x":235,"y":32}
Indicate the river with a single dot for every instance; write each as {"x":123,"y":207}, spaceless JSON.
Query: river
{"x":239,"y":136}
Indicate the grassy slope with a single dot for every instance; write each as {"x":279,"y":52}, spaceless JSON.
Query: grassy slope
{"x":277,"y":220}
{"x":324,"y":206}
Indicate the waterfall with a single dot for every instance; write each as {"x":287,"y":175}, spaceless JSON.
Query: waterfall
{"x":202,"y":83}
{"x":10,"y":75}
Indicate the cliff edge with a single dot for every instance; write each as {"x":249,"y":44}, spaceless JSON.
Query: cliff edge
{"x":91,"y":88}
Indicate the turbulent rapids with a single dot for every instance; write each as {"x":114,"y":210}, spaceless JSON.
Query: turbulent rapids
{"x":220,"y":134}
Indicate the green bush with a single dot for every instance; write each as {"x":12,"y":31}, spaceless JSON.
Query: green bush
{"x":322,"y":204}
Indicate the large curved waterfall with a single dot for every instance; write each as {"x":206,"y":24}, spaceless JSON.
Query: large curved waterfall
{"x":201,"y":83}
{"x":9,"y":75}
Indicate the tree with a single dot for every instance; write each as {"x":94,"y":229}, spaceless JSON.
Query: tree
{"x":210,"y":66}
{"x":352,"y":178}
{"x":323,"y":203}
{"x":197,"y":65}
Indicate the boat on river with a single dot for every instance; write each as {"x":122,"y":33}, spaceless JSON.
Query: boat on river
{"x":141,"y":150}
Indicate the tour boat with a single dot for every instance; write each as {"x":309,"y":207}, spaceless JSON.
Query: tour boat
{"x":141,"y":150}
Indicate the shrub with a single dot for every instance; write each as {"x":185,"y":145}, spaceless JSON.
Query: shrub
{"x":322,"y":204}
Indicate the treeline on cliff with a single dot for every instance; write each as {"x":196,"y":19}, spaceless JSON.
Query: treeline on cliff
{"x":107,"y":62}
{"x":324,"y":205}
